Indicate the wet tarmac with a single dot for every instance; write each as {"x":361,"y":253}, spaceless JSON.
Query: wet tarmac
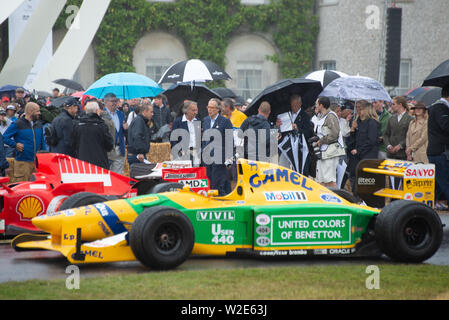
{"x":46,"y":265}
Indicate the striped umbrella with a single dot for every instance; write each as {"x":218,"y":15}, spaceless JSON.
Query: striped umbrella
{"x":193,"y":70}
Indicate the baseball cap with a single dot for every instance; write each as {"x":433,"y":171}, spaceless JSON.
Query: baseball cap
{"x":72,"y":101}
{"x":2,"y":112}
{"x":5,"y":99}
{"x":11,"y":107}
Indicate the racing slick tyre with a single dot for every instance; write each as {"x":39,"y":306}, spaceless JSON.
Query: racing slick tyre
{"x":167,"y":187}
{"x":408,"y":231}
{"x":348,"y":196}
{"x":82,"y":199}
{"x":161,"y":237}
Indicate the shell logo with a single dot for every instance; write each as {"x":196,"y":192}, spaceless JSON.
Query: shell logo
{"x":29,"y":207}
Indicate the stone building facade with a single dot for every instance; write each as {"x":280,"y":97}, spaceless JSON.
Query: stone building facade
{"x":352,"y":38}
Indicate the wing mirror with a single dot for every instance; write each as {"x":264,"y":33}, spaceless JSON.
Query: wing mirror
{"x":4,"y":180}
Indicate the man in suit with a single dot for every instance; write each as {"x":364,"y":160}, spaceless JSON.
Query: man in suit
{"x":396,"y":131}
{"x":301,"y":126}
{"x":139,"y":135}
{"x":117,"y":155}
{"x":438,"y":147}
{"x":217,"y":146}
{"x":188,"y":134}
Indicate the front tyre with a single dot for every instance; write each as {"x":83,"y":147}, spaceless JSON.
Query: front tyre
{"x":161,"y":237}
{"x":167,"y":187}
{"x":83,"y":199}
{"x":408,"y":231}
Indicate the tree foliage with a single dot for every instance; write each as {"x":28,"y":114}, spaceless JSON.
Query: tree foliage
{"x":205,"y":27}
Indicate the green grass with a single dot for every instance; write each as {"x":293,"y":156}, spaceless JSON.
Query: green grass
{"x":279,"y":283}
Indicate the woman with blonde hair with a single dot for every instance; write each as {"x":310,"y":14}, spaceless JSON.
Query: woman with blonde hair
{"x":367,"y":133}
{"x":416,"y":139}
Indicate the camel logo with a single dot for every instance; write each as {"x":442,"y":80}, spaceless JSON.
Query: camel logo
{"x":29,"y":207}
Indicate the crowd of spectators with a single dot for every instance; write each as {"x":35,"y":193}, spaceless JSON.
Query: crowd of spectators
{"x":320,"y":138}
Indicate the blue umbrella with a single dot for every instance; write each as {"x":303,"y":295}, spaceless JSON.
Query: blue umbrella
{"x":125,"y":85}
{"x":9,"y":89}
{"x":356,"y":88}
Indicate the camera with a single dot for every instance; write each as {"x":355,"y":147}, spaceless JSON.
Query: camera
{"x":316,"y":149}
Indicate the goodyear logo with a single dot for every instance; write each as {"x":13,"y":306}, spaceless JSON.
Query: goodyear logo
{"x":30,"y":206}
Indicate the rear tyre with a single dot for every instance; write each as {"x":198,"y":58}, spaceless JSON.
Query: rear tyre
{"x":348,"y":196}
{"x":83,"y":199}
{"x":161,"y":237}
{"x":408,"y":231}
{"x":167,"y":187}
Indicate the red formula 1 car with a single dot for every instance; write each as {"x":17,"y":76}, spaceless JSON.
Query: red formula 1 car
{"x":62,"y":182}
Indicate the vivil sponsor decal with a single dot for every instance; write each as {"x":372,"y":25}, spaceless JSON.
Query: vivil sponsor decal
{"x":285,"y":196}
{"x":278,"y":175}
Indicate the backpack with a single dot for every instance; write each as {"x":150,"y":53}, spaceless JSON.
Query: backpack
{"x":51,"y":139}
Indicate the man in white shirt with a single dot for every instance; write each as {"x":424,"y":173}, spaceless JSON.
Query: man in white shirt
{"x":191,"y":125}
{"x":117,"y":155}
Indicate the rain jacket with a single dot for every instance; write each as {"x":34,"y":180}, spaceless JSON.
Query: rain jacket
{"x":257,"y":122}
{"x":91,"y":140}
{"x":30,"y":135}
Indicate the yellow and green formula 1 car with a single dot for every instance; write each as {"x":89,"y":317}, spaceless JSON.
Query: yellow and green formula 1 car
{"x":272,"y":211}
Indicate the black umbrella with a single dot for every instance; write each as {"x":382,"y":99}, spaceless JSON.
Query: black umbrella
{"x":70,"y":84}
{"x":225,"y":92}
{"x":278,"y":95}
{"x":59,"y":102}
{"x":193,"y":70}
{"x":43,"y":94}
{"x":239,"y":101}
{"x":429,"y":96}
{"x":439,"y":77}
{"x":411,"y":94}
{"x":199,"y":93}
{"x":324,"y":76}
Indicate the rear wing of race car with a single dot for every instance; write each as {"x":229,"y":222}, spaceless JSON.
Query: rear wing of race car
{"x":405,"y":180}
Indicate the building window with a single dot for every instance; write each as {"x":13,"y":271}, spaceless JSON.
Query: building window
{"x":156,"y":68}
{"x":328,"y":65}
{"x":249,"y":79}
{"x":405,"y":74}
